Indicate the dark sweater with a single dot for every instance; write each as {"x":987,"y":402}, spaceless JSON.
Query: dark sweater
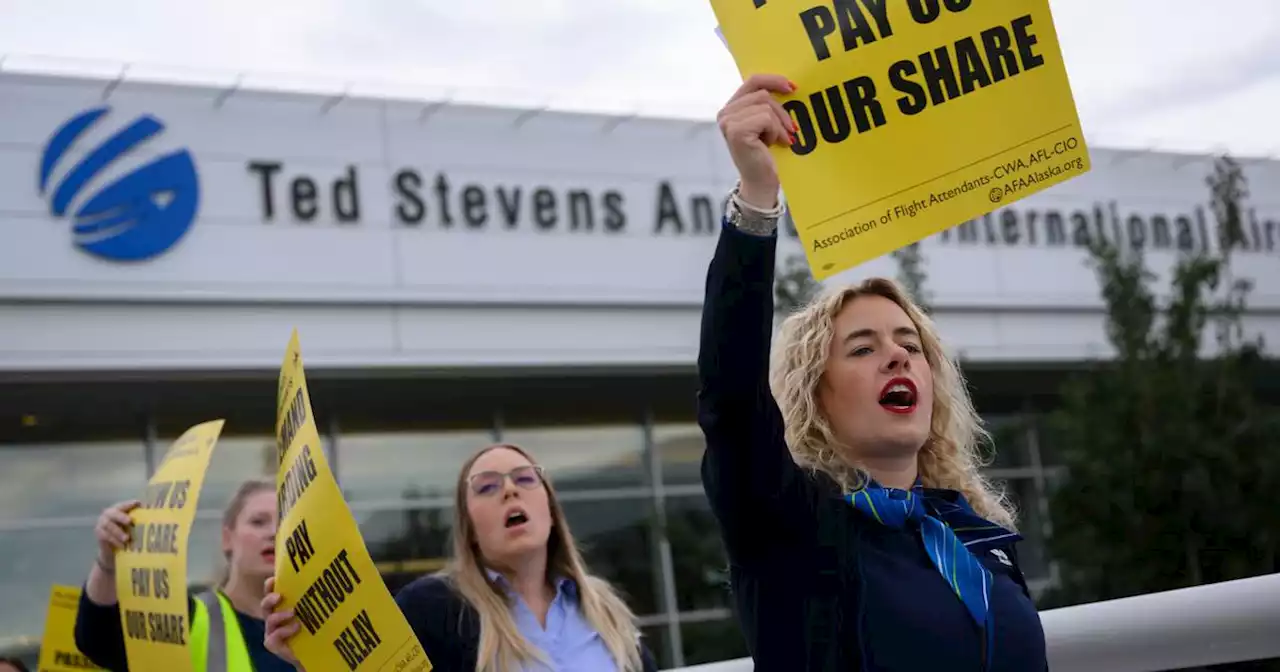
{"x":889,"y":609}
{"x":449,"y":628}
{"x":100,"y":636}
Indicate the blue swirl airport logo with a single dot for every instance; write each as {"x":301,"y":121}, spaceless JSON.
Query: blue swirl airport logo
{"x":137,"y":216}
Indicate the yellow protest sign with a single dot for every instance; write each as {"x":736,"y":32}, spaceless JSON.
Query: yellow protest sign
{"x":323,"y":570}
{"x":151,"y":571}
{"x":58,"y":652}
{"x":913,"y":115}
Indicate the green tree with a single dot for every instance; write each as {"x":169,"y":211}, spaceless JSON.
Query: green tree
{"x":911,"y":273}
{"x":794,"y":286}
{"x":1172,"y":464}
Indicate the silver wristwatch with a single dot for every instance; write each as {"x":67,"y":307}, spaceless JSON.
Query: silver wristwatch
{"x":750,"y":219}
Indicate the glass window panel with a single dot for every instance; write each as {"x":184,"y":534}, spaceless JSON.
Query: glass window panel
{"x":32,"y":560}
{"x":1009,"y":436}
{"x":204,"y":550}
{"x":697,"y":554}
{"x":405,"y":465}
{"x":614,"y":536}
{"x":407,"y":543}
{"x":52,"y":480}
{"x":1050,"y":448}
{"x":680,"y":449}
{"x":586,"y":458}
{"x":235,"y":459}
{"x":616,"y":541}
{"x":404,"y":544}
{"x":1031,"y":550}
{"x":655,"y":637}
{"x":1054,"y":477}
{"x":712,"y":641}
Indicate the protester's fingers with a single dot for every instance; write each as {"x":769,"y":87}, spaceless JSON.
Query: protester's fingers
{"x":119,"y":517}
{"x":784,"y":117}
{"x":760,"y":99}
{"x":749,"y":100}
{"x":119,"y":536}
{"x":767,"y":82}
{"x":114,"y":523}
{"x":109,"y":532}
{"x":278,"y":632}
{"x":749,"y":124}
{"x":269,"y":586}
{"x":277,"y":621}
{"x":269,"y":602}
{"x":126,"y":506}
{"x":749,"y":106}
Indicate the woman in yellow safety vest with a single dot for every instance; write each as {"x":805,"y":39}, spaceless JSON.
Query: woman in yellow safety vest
{"x":227,"y":629}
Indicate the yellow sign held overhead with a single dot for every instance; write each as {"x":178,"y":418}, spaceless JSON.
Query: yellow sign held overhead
{"x":913,"y":115}
{"x":58,"y":652}
{"x":151,"y":572}
{"x":323,"y":570}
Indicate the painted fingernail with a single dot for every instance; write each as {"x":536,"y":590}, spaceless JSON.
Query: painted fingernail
{"x":792,"y":84}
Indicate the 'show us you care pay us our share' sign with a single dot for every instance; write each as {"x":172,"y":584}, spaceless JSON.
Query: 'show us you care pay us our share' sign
{"x":913,"y":115}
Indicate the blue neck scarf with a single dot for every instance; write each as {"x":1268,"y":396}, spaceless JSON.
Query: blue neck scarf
{"x":952,"y":533}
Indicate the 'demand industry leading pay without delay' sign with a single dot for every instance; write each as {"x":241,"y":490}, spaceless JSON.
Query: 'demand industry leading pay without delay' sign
{"x":350,"y":622}
{"x":913,"y":115}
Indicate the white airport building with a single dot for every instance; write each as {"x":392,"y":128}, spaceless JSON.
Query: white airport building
{"x":461,"y":274}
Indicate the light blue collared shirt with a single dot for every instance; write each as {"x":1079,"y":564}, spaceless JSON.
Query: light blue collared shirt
{"x":569,"y":643}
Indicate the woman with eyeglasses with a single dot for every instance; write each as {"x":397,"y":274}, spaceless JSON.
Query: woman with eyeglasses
{"x":516,"y":595}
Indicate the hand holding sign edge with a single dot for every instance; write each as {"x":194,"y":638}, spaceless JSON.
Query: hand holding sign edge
{"x":280,"y":626}
{"x":750,"y":122}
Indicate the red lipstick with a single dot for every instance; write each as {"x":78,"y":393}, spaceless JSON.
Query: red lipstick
{"x":899,"y":396}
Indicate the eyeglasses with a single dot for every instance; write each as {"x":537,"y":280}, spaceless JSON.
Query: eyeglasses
{"x":488,"y":483}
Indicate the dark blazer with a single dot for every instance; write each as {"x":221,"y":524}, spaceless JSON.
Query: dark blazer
{"x":815,"y":587}
{"x":449,"y":628}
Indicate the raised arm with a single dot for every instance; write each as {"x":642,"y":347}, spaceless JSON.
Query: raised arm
{"x":749,"y":475}
{"x":98,"y":632}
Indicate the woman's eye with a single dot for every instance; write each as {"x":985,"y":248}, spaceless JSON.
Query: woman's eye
{"x":858,"y":352}
{"x":913,"y":348}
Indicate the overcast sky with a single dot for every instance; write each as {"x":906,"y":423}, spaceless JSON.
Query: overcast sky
{"x":1170,"y":74}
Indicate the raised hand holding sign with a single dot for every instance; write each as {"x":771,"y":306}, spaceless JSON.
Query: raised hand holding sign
{"x":346,"y":618}
{"x":910,"y":116}
{"x":151,"y":569}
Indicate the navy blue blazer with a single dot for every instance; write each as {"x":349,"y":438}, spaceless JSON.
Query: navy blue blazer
{"x":448,"y":627}
{"x":815,"y":586}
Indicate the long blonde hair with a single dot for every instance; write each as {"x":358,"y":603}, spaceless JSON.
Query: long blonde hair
{"x":246,"y":490}
{"x":502,"y":647}
{"x":950,"y":457}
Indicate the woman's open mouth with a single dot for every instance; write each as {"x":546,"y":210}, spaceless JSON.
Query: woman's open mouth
{"x":516,"y":518}
{"x":898,"y":396}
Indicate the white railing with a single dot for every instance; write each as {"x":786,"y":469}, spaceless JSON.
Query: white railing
{"x":1219,"y":623}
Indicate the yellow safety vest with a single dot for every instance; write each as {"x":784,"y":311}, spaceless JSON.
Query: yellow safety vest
{"x":217,"y":645}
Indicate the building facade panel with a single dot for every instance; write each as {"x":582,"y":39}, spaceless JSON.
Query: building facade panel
{"x":462,"y":275}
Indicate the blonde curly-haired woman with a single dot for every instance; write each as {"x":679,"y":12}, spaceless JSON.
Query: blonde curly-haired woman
{"x":844,"y":473}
